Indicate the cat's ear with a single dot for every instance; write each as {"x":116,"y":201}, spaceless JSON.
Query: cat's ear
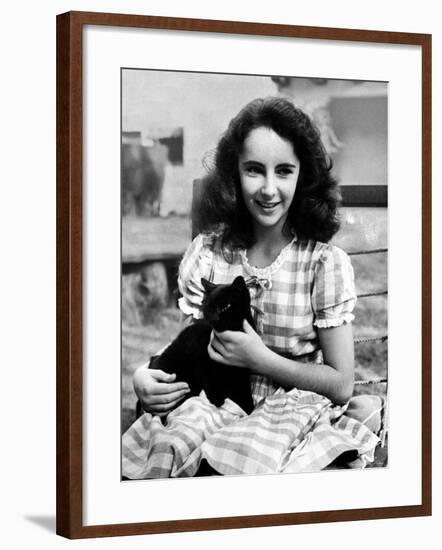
{"x":207,"y":285}
{"x":239,"y":283}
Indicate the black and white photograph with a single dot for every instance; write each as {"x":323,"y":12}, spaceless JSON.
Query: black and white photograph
{"x":221,"y":254}
{"x":254,"y":276}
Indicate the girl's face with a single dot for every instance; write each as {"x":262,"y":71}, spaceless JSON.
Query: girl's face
{"x":269,"y":171}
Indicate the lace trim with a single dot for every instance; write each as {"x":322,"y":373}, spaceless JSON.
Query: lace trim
{"x":188,"y":309}
{"x":328,"y":323}
{"x":268,"y":271}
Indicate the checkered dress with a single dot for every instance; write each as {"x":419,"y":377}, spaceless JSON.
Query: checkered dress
{"x":309,"y":285}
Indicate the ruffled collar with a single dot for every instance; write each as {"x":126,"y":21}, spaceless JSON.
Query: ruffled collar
{"x":266,"y":273}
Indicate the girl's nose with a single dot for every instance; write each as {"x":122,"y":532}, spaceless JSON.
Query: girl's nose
{"x":268,"y":188}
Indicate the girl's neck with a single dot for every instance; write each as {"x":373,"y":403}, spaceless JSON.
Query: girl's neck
{"x":271,"y":238}
{"x":267,"y":247}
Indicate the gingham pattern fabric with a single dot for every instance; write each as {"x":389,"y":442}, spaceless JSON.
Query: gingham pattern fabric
{"x":288,"y":432}
{"x":309,"y":285}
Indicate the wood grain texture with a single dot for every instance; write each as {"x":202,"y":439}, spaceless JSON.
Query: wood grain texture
{"x":69,"y":276}
{"x":426,"y":278}
{"x":70,"y":272}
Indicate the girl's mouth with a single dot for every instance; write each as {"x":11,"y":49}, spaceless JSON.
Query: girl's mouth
{"x":267,"y":205}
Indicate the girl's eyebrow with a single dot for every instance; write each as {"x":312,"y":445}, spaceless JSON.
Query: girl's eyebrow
{"x":256,"y":162}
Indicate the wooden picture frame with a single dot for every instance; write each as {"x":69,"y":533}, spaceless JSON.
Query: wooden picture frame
{"x":71,"y":284}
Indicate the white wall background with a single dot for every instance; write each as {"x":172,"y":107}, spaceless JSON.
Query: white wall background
{"x":158,"y":99}
{"x":27,"y":299}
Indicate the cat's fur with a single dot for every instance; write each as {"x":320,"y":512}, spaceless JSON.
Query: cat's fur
{"x":224,"y":308}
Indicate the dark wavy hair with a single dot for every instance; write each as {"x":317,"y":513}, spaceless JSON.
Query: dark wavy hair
{"x":313,"y":213}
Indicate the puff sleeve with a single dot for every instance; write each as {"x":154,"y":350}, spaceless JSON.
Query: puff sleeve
{"x":333,"y":294}
{"x":195,"y":265}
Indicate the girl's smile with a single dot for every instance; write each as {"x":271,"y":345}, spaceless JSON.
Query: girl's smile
{"x":269,"y":171}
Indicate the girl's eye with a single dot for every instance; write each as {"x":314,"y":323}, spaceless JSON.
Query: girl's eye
{"x":284,"y":172}
{"x":252,"y":170}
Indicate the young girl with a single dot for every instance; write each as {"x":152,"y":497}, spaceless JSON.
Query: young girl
{"x":268,"y":211}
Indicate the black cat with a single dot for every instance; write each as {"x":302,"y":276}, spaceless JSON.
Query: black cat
{"x":224,"y":308}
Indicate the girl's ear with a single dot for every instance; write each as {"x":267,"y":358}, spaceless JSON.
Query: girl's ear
{"x":207,"y":285}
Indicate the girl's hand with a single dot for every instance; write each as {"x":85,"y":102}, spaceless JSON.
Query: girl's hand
{"x":240,"y":349}
{"x":157,"y":390}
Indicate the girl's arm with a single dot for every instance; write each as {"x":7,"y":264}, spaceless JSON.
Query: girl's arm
{"x":157,"y":390}
{"x":333,"y":379}
{"x":185,"y":321}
